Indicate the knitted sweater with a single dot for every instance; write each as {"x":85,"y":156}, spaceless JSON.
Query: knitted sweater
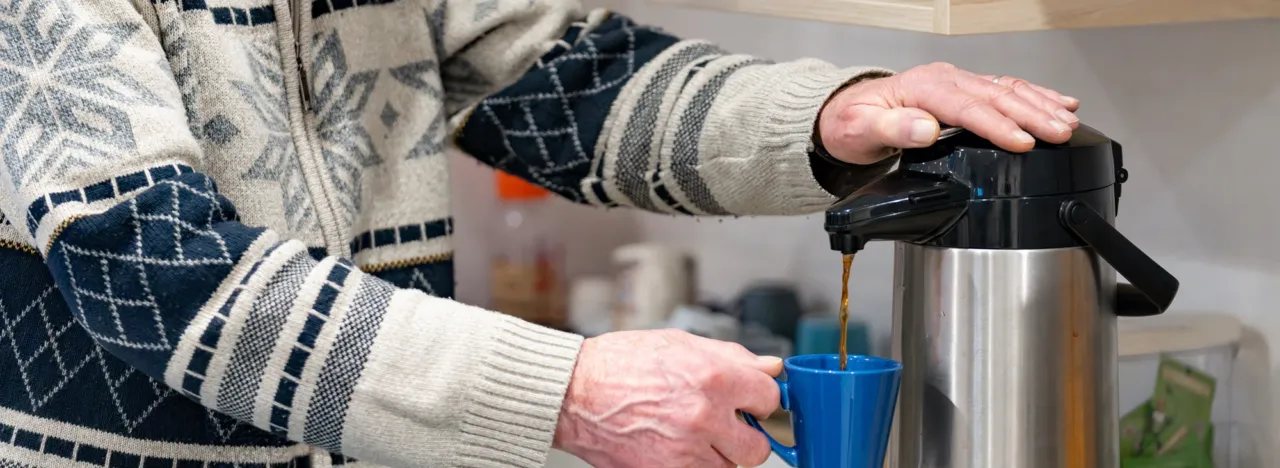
{"x":225,"y":235}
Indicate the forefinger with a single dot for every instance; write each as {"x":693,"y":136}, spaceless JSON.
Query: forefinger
{"x":1070,"y":103}
{"x":739,"y":442}
{"x":954,"y":106}
{"x":736,"y":352}
{"x":1036,"y":115}
{"x":750,"y":390}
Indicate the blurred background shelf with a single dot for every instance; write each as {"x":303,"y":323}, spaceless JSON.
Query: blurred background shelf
{"x":955,"y":17}
{"x":779,"y":426}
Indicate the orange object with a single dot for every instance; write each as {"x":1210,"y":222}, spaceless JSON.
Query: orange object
{"x":514,"y":188}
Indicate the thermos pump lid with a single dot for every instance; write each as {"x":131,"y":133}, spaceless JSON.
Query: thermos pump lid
{"x":966,"y":193}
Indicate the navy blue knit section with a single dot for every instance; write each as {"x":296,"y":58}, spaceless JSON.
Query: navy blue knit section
{"x":339,"y":460}
{"x":304,"y":344}
{"x":52,"y":369}
{"x":104,"y":190}
{"x":106,"y":457}
{"x":135,"y":275}
{"x":435,"y":278}
{"x":93,"y":455}
{"x":255,"y":16}
{"x":318,"y":253}
{"x":323,"y":7}
{"x":406,"y":234}
{"x":544,"y":127}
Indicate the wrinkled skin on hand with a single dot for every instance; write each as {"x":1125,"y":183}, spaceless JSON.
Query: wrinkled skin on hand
{"x":659,"y":399}
{"x":862,"y":123}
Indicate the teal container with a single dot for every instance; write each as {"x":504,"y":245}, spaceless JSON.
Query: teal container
{"x":821,"y":335}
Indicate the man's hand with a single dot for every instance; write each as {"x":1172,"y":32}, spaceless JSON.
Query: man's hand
{"x":657,"y":399}
{"x":863,"y":122}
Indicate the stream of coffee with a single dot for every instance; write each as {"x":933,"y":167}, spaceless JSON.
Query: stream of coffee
{"x":844,"y":313}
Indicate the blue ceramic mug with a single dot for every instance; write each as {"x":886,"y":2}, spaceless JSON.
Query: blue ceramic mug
{"x":841,"y":418}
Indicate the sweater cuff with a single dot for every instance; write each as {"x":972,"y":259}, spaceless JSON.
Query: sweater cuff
{"x":521,"y":387}
{"x":448,"y":384}
{"x":797,"y":106}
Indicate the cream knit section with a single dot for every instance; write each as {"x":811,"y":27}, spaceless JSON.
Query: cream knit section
{"x":703,"y":132}
{"x":486,"y":393}
{"x":756,"y":141}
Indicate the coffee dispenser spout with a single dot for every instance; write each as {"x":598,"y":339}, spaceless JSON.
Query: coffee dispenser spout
{"x":904,"y":206}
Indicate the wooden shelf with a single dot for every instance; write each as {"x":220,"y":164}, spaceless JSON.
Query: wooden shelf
{"x":956,"y":17}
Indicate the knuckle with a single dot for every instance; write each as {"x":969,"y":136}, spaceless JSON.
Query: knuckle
{"x":697,"y":418}
{"x":701,"y":425}
{"x":943,"y":67}
{"x":850,"y":128}
{"x":712,"y":383}
{"x":712,"y":376}
{"x":694,"y":411}
{"x":846,"y":116}
{"x":1018,"y":83}
{"x":1004,"y":93}
{"x":738,"y":348}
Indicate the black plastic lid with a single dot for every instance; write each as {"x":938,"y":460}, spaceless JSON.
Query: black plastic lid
{"x":966,"y":192}
{"x":1082,"y":164}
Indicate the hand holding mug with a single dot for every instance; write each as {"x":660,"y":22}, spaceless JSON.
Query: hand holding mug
{"x":657,"y":399}
{"x":841,"y":418}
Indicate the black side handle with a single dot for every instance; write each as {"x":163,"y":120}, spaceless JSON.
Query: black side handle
{"x":1152,"y":288}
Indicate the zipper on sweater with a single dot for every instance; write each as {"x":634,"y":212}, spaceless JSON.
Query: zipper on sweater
{"x":304,"y":85}
{"x":315,"y":171}
{"x":313,"y":167}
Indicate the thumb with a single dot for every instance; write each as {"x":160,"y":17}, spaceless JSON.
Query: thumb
{"x":872,"y":131}
{"x":771,"y":365}
{"x":735,"y":352}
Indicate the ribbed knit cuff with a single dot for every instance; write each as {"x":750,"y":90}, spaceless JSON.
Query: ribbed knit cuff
{"x":516,"y":406}
{"x":795,"y":108}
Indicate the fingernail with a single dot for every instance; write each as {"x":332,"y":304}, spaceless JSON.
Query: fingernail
{"x":1024,"y":137}
{"x":769,"y":359}
{"x":1070,"y":100}
{"x":1059,"y":126}
{"x":1066,"y":116}
{"x":923,"y":131}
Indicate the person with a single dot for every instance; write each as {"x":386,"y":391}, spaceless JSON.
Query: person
{"x":227,"y":225}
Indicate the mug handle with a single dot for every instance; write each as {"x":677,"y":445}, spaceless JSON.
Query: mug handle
{"x":788,"y":454}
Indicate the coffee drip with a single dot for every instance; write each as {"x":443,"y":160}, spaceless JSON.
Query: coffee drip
{"x":844,"y":313}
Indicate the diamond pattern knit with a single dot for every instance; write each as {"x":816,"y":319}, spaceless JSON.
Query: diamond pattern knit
{"x":226,"y":246}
